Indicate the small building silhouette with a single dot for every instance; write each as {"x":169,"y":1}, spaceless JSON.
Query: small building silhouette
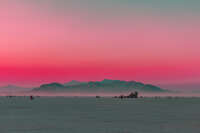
{"x":131,"y":95}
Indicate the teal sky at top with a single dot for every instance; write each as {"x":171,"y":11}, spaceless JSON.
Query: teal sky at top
{"x":168,"y":7}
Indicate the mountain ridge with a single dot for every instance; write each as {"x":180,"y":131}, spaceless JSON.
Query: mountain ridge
{"x":105,"y":85}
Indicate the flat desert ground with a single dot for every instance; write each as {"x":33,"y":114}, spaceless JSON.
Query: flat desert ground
{"x":104,"y":115}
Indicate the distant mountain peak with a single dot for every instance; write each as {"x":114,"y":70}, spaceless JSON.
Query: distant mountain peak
{"x":110,"y":81}
{"x":73,"y":82}
{"x":55,"y":84}
{"x":106,"y":85}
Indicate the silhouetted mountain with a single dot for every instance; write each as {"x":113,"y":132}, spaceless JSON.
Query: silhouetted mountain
{"x":74,"y":82}
{"x":105,"y":85}
{"x":51,"y":87}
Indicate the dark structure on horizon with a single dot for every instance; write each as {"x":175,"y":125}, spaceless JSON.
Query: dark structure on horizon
{"x":131,"y":95}
{"x":31,"y":97}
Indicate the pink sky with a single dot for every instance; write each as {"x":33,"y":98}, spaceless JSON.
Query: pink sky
{"x":39,"y":44}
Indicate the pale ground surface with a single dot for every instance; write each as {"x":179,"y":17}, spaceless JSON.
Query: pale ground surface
{"x":105,"y":115}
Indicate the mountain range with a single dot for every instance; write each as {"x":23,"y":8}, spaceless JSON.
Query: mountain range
{"x":105,"y":85}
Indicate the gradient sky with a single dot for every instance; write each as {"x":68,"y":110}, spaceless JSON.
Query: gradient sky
{"x":152,"y":41}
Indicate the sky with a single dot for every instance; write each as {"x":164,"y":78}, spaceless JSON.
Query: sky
{"x":151,"y":41}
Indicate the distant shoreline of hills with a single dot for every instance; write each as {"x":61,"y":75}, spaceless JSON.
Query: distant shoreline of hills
{"x":105,"y":85}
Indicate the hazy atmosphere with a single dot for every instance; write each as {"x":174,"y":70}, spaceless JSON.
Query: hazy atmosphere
{"x":99,"y":66}
{"x":150,"y":41}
